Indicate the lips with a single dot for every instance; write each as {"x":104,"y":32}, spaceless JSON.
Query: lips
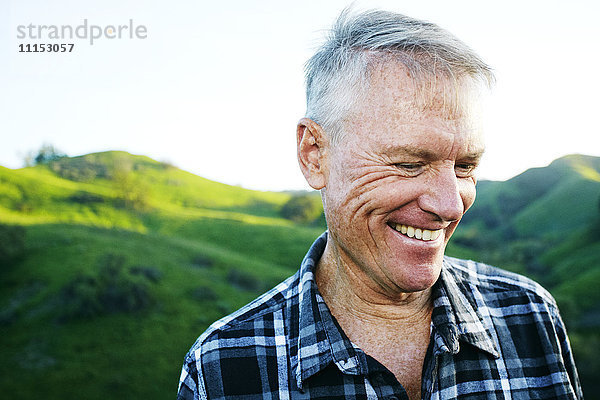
{"x":418,"y":233}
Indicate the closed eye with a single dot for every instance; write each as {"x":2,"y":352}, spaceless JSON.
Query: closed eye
{"x":464,"y":170}
{"x":410,"y":169}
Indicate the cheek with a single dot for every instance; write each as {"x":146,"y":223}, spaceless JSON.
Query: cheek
{"x":467,"y":193}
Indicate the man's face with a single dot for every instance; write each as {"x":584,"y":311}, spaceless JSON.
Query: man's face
{"x":398,"y":183}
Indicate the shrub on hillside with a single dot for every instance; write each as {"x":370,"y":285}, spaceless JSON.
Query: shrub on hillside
{"x":150,"y":273}
{"x":131,"y":192}
{"x":204,"y":293}
{"x":80,"y":169}
{"x":112,"y":289}
{"x":202,"y":261}
{"x":48,"y":153}
{"x":245,"y":281}
{"x":12,"y":243}
{"x":167,"y":165}
{"x":302,"y":209}
{"x":83,"y":197}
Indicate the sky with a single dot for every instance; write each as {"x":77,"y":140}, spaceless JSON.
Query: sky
{"x":216,"y":88}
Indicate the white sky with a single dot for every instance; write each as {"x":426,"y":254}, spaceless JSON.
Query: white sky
{"x":217,"y":87}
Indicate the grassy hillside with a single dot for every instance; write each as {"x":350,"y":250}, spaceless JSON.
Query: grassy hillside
{"x":111,"y":229}
{"x":541,"y":201}
{"x":124,"y":260}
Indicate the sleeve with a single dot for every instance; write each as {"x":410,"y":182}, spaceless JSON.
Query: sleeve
{"x":566,"y":353}
{"x":189,"y":389}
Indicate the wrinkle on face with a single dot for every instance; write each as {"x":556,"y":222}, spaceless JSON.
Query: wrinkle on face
{"x":366,"y":186}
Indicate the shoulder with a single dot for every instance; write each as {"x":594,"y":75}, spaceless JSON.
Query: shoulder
{"x":524,"y":320}
{"x":253,"y":323}
{"x":496,"y":284}
{"x":230,"y":354}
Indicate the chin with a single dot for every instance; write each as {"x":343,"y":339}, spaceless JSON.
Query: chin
{"x":418,"y":285}
{"x":417,"y":278}
{"x":424,"y":269}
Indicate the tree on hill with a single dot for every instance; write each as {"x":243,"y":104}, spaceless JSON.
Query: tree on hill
{"x":79,"y":169}
{"x":47,"y":153}
{"x":302,"y":208}
{"x":112,"y":288}
{"x":131,"y":192}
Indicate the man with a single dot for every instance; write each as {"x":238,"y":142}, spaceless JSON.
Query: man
{"x":391,"y":139}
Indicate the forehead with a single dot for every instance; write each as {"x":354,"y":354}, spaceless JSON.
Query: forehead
{"x":395,"y":108}
{"x":390,"y":83}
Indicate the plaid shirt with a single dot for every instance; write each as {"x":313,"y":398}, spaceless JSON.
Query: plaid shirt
{"x":495,"y":335}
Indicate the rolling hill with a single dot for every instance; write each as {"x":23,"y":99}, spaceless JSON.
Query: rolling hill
{"x":111,"y":264}
{"x":102,"y":226}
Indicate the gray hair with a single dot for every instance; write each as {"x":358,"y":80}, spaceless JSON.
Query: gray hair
{"x":338,"y":73}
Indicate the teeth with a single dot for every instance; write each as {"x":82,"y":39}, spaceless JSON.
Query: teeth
{"x":427,"y":235}
{"x":418,"y":233}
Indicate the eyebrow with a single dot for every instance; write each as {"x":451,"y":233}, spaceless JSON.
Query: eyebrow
{"x":418,"y":152}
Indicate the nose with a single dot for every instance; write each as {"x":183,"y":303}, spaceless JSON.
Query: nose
{"x":442,"y":196}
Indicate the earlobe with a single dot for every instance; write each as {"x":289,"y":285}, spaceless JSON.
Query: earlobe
{"x":310,"y":140}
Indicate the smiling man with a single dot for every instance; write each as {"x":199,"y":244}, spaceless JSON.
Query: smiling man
{"x":391,"y":138}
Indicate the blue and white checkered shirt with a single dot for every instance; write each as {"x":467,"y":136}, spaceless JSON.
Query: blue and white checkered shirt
{"x":495,"y":335}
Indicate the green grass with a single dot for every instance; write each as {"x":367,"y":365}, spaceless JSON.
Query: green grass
{"x":570,"y":205}
{"x":215,"y":246}
{"x":122,"y":355}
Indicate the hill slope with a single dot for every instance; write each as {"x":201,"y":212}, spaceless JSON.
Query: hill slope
{"x":541,"y":201}
{"x":126,"y":261}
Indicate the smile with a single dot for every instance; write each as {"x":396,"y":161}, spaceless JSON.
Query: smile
{"x":418,"y":233}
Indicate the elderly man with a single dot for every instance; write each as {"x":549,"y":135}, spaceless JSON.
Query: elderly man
{"x":392,"y":139}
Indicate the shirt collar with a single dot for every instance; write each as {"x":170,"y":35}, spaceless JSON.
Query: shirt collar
{"x":321,"y":341}
{"x":457,"y":317}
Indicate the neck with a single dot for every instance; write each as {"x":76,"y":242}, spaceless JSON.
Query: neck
{"x":348,"y":290}
{"x":391,"y":326}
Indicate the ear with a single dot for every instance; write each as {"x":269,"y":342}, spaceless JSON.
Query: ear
{"x":311,"y":147}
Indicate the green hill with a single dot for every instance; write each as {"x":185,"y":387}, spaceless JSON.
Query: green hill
{"x":111,"y":263}
{"x":126,"y":260}
{"x":541,"y":201}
